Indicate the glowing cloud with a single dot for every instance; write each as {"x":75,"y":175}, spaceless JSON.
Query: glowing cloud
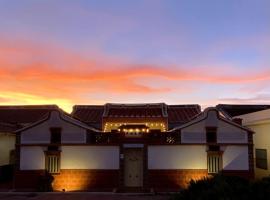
{"x":34,"y":73}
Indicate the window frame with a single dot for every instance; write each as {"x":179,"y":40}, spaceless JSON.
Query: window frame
{"x":261,"y":159}
{"x":208,"y":131}
{"x":54,"y":131}
{"x":220,"y":161}
{"x":53,"y":154}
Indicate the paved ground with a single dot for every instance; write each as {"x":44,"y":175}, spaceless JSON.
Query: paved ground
{"x":80,"y":196}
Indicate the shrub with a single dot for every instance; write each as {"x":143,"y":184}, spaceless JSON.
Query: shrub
{"x":218,"y":187}
{"x":260,"y":190}
{"x":6,"y":173}
{"x":45,"y":182}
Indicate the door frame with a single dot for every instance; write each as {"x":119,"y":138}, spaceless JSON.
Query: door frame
{"x":138,"y":152}
{"x":122,"y":186}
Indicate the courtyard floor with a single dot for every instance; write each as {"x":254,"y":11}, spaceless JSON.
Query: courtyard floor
{"x":80,"y":196}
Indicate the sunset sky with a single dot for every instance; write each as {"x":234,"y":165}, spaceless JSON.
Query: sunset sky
{"x":96,"y":51}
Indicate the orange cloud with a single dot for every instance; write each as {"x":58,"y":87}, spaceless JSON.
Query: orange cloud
{"x":35,"y":73}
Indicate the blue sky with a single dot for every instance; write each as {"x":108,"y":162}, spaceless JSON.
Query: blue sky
{"x":173,"y":51}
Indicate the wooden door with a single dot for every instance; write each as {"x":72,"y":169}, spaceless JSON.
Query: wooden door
{"x":133,"y":162}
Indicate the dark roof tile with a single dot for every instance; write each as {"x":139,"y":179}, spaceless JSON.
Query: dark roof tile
{"x":176,"y":114}
{"x":233,"y":110}
{"x":22,"y":115}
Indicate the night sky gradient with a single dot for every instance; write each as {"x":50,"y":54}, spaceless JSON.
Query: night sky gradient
{"x":70,"y":52}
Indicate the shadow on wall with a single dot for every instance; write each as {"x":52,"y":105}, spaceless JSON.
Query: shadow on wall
{"x":45,"y":182}
{"x":6,"y":173}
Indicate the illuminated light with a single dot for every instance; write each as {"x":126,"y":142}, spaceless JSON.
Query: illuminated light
{"x":147,"y":130}
{"x":119,"y":129}
{"x":137,"y":130}
{"x":152,"y":124}
{"x":143,"y":130}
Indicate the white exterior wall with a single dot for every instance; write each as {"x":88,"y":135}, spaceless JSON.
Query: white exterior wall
{"x":194,"y":133}
{"x":227,"y":133}
{"x":177,"y":157}
{"x":32,"y":158}
{"x":235,"y":158}
{"x":41,"y":133}
{"x":72,"y":157}
{"x":259,"y":122}
{"x":261,"y":140}
{"x":7,"y":143}
{"x":90,"y":157}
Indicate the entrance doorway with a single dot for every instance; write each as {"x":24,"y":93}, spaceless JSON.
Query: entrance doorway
{"x":133,"y":167}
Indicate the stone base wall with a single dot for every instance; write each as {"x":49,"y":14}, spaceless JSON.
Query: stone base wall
{"x":27,"y":180}
{"x":6,"y":186}
{"x":173,"y":180}
{"x":70,"y":180}
{"x":107,"y":180}
{"x":86,"y":180}
{"x":241,"y":173}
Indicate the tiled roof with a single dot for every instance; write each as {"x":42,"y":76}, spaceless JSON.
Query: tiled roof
{"x":8,"y":128}
{"x":63,"y":116}
{"x":180,"y":114}
{"x":176,"y":114}
{"x":204,"y":115}
{"x":235,"y":110}
{"x":88,"y":113}
{"x":22,"y":115}
{"x":135,"y":110}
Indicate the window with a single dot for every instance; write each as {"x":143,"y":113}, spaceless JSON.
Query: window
{"x":261,"y":158}
{"x":214,"y":148}
{"x":214,"y":162}
{"x":211,"y":135}
{"x":56,"y":135}
{"x":52,"y":163}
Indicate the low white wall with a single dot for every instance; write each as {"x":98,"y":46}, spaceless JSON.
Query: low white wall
{"x":235,"y":158}
{"x":90,"y":157}
{"x":32,"y":158}
{"x":7,"y":143}
{"x":177,"y":157}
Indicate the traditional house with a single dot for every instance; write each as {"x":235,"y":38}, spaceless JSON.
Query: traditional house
{"x":131,"y":147}
{"x":7,"y":143}
{"x":13,"y":118}
{"x":259,"y":122}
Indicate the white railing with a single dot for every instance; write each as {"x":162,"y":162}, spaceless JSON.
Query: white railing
{"x":53,"y":163}
{"x":214,"y":163}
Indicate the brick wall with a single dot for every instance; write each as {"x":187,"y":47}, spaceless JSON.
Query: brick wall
{"x":173,"y":180}
{"x":87,"y":180}
{"x":70,"y":180}
{"x":248,"y":174}
{"x":27,"y":179}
